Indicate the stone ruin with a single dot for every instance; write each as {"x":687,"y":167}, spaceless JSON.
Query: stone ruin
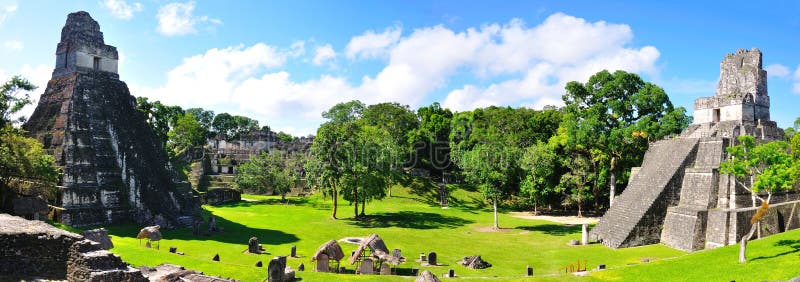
{"x":114,"y":167}
{"x":36,"y":250}
{"x":475,"y":262}
{"x":678,"y":197}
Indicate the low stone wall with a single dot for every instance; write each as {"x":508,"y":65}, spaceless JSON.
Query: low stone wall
{"x":726,"y":227}
{"x":34,"y":249}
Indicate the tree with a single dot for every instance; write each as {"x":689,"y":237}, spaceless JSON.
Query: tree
{"x":205,"y":118}
{"x":431,"y":139}
{"x":224,"y":125}
{"x":186,"y":133}
{"x":10,"y":103}
{"x":489,"y":167}
{"x":398,"y":120}
{"x":25,"y":158}
{"x":539,"y":162}
{"x":160,"y":117}
{"x":611,"y":117}
{"x":762,"y":169}
{"x":267,"y":169}
{"x":285,"y":137}
{"x":331,"y":147}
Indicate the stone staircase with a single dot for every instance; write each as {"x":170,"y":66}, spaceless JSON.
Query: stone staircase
{"x":637,"y":216}
{"x":685,"y":224}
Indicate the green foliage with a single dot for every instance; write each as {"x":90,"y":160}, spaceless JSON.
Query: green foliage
{"x":186,"y":133}
{"x":768,"y":167}
{"x":233,"y":127}
{"x":267,"y":170}
{"x":24,"y":157}
{"x":160,"y":117}
{"x":610,"y":119}
{"x":345,"y":112}
{"x":398,"y":120}
{"x":286,"y":137}
{"x":205,"y":118}
{"x":431,"y":146}
{"x":540,"y":163}
{"x":10,"y":103}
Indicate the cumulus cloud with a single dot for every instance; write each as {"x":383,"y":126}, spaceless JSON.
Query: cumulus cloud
{"x":777,"y":70}
{"x":7,"y":11}
{"x":504,"y":64}
{"x":13,"y":45}
{"x":177,"y":19}
{"x":323,"y":54}
{"x":372,"y":44}
{"x":121,"y":9}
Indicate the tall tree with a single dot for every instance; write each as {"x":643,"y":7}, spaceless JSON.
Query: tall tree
{"x":490,"y":167}
{"x":186,"y":133}
{"x":762,"y":169}
{"x":330,"y":149}
{"x":160,"y":117}
{"x":540,"y":164}
{"x":11,"y":102}
{"x":266,"y":170}
{"x":614,"y":115}
{"x":205,"y":118}
{"x":431,"y":139}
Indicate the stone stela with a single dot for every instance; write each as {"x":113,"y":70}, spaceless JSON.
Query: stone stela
{"x":678,"y":196}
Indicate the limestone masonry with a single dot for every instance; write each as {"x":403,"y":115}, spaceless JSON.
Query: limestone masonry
{"x":678,"y":197}
{"x":115,"y":170}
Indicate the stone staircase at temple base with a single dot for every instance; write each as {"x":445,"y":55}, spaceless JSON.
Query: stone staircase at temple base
{"x":685,"y":224}
{"x":637,"y":216}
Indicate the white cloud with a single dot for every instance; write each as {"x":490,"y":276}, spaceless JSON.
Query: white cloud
{"x":121,"y":9}
{"x":13,"y":45}
{"x":777,"y":70}
{"x":323,"y":54}
{"x":7,"y":11}
{"x":504,"y":64}
{"x":796,"y":87}
{"x":371,"y":44}
{"x":210,"y":78}
{"x":177,"y":19}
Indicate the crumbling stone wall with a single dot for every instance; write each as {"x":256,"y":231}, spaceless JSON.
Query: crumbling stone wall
{"x":35,"y":249}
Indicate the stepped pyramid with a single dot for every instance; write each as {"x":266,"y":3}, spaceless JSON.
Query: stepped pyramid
{"x":115,"y":169}
{"x":678,"y":197}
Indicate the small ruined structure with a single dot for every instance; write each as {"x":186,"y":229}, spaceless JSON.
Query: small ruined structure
{"x":34,"y":249}
{"x":330,"y":251}
{"x":475,"y":262}
{"x":115,"y":169}
{"x":175,"y":273}
{"x":427,"y":276}
{"x":254,"y":247}
{"x":678,"y":196}
{"x":278,"y":271}
{"x":374,"y":247}
{"x":151,"y":233}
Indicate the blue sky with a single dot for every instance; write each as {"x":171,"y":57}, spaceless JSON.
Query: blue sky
{"x":284,"y":62}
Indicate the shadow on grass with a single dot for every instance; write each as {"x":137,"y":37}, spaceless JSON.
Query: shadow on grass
{"x":793,"y":244}
{"x":235,"y":233}
{"x":553,"y":229}
{"x":410,"y":219}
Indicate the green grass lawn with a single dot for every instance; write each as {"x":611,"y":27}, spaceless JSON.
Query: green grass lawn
{"x":412,"y":222}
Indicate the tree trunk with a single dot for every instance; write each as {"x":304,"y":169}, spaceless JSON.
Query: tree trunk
{"x":612,"y":179}
{"x":494,"y":206}
{"x":335,"y":201}
{"x":580,"y":212}
{"x":535,"y":208}
{"x":355,"y":203}
{"x":363,"y":204}
{"x":743,"y":243}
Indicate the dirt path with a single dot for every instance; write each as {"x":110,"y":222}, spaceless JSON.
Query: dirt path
{"x":558,"y":219}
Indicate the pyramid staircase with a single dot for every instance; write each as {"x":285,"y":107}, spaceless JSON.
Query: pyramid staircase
{"x":638,"y":214}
